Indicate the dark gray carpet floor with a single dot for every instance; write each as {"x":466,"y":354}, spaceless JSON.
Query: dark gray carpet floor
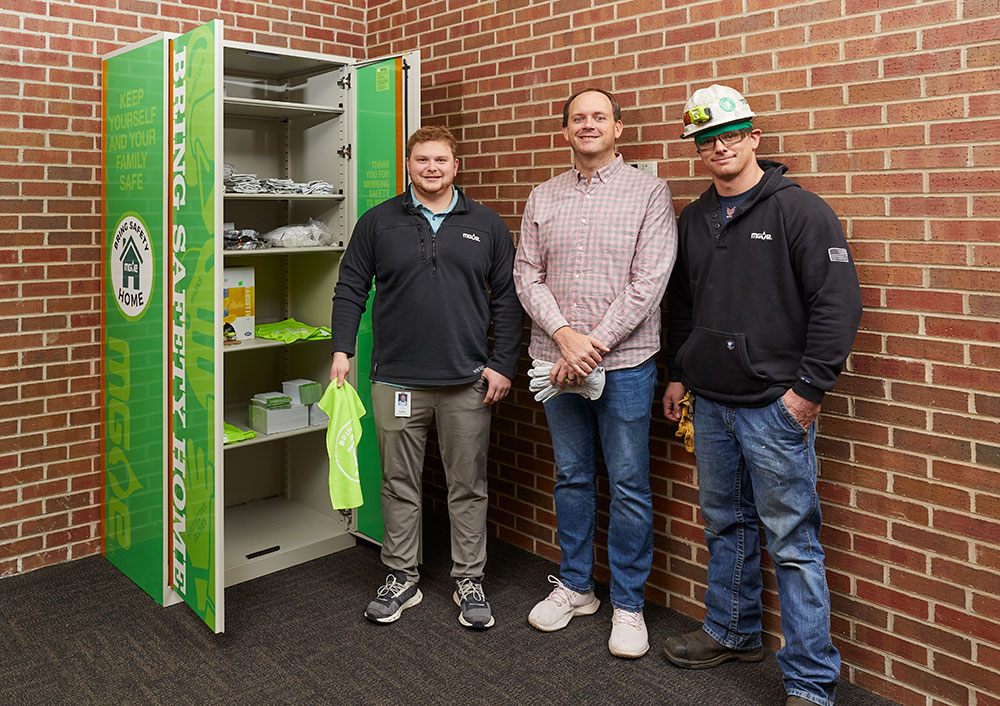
{"x":82,"y":633}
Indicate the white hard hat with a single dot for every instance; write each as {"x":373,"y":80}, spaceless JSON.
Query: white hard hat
{"x":712,"y":107}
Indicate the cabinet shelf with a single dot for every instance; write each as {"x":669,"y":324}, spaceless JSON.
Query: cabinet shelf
{"x":243,"y":59}
{"x":276,"y":110}
{"x":256,"y":344}
{"x":282,"y":533}
{"x":263,"y":252}
{"x":238,"y":416}
{"x":264,"y":196}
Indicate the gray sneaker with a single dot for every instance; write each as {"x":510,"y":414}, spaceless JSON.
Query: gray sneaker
{"x":475,"y":613}
{"x":395,"y":596}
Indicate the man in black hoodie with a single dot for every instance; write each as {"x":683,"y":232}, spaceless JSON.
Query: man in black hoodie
{"x":764,"y":304}
{"x":442,"y":265}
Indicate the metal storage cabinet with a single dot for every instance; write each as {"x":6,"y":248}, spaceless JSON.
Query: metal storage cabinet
{"x":284,"y":117}
{"x":212,"y":515}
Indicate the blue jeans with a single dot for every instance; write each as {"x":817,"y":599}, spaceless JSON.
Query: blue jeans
{"x":620,"y":418}
{"x":759,"y":465}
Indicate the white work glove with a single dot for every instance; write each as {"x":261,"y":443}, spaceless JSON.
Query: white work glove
{"x":591,"y":388}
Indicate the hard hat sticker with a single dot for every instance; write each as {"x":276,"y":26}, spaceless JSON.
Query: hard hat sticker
{"x":727,"y":104}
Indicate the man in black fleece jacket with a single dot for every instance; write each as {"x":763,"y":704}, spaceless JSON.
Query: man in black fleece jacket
{"x":442,"y":265}
{"x":764,"y":304}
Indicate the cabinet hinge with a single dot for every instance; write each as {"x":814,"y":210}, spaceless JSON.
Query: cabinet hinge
{"x":345,"y":151}
{"x":345,"y":82}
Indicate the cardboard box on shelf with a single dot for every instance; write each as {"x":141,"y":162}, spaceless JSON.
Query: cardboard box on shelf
{"x":238,"y":303}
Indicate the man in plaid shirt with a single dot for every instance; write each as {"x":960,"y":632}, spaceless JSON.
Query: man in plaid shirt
{"x":596,"y":248}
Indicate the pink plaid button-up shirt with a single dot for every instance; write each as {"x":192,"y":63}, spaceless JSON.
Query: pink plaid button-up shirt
{"x":595,"y":255}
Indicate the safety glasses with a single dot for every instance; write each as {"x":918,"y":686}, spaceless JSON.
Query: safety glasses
{"x":707,"y":144}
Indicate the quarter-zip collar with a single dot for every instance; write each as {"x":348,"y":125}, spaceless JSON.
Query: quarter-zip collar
{"x":459,"y":204}
{"x":435,"y":219}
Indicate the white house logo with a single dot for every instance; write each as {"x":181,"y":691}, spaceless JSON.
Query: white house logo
{"x":761,"y":236}
{"x":131,"y":265}
{"x":470,"y":236}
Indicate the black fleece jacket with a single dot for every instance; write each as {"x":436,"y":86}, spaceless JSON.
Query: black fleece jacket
{"x":434,"y":294}
{"x":764,"y":302}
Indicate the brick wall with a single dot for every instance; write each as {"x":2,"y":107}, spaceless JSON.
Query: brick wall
{"x":888,"y":108}
{"x":891,"y":111}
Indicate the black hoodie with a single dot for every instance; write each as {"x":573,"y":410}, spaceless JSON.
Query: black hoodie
{"x":764,"y":302}
{"x":434,"y":294}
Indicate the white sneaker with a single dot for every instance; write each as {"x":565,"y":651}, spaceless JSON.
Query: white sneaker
{"x":555,"y":612}
{"x":629,"y":637}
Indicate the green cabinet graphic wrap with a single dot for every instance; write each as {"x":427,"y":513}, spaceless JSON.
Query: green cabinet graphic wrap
{"x":380,"y":168}
{"x":195,"y":501}
{"x":133,"y":282}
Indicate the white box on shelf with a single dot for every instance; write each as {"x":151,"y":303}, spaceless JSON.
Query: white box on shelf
{"x":272,"y":421}
{"x":302,"y":391}
{"x":317,"y":417}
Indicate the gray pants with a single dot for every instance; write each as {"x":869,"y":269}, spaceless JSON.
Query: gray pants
{"x":463,"y":424}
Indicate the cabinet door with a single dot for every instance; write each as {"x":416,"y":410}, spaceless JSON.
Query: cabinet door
{"x":135,"y":257}
{"x":195,"y":562}
{"x":386,"y":111}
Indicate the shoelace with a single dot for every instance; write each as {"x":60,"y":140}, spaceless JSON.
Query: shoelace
{"x":560,"y":594}
{"x":392,"y":587}
{"x":471,"y":590}
{"x":624,"y":617}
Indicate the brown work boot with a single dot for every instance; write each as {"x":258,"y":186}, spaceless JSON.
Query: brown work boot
{"x":798,"y":701}
{"x":698,"y":650}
